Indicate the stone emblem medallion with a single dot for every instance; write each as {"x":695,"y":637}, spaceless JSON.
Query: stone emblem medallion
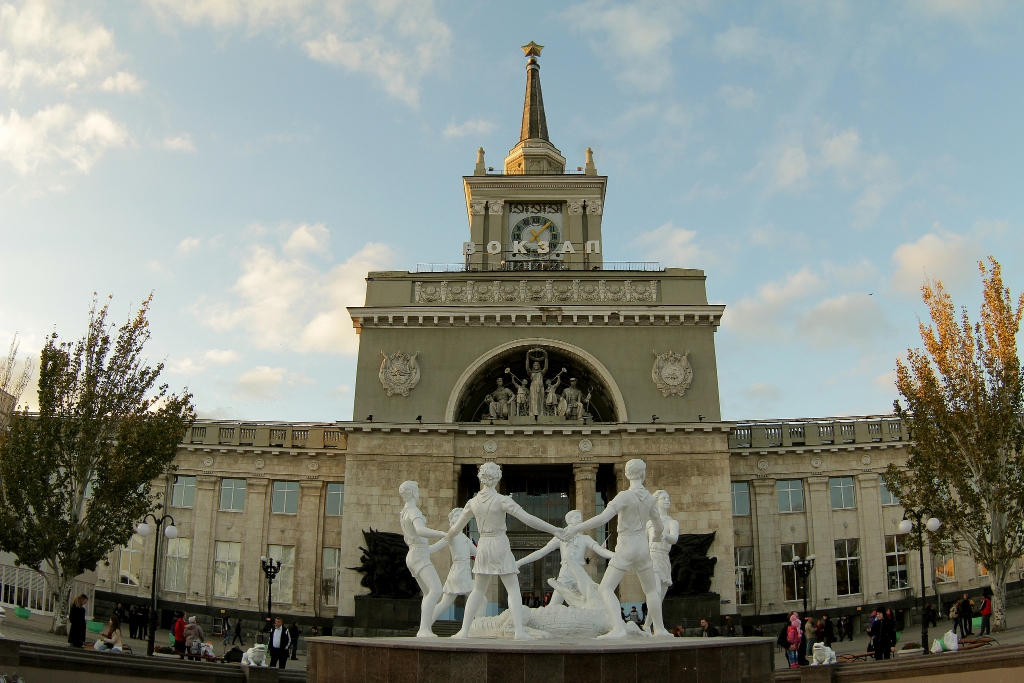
{"x":258,"y":463}
{"x":762,"y":464}
{"x":399,"y":373}
{"x":672,"y":373}
{"x":815,"y":462}
{"x":586,"y":445}
{"x":490,"y":446}
{"x":312,"y":465}
{"x":208,"y":461}
{"x":866,"y":460}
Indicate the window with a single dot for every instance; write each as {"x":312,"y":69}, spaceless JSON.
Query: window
{"x":744,"y":575}
{"x":793,"y":586}
{"x":335,"y":499}
{"x":944,"y":569}
{"x":982,"y":570}
{"x":286,"y":497}
{"x":183,"y":492}
{"x":740,"y":498}
{"x":331,"y":574}
{"x":225,"y":569}
{"x":285,"y":578}
{"x":843,"y":493}
{"x":896,"y":562}
{"x":131,"y":562}
{"x":888,"y":497}
{"x":848,"y":566}
{"x":176,"y":575}
{"x":232,"y":494}
{"x":791,"y":495}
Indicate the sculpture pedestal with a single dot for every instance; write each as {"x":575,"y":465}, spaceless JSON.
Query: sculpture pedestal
{"x":553,"y":660}
{"x":688,"y":610}
{"x":396,"y":614}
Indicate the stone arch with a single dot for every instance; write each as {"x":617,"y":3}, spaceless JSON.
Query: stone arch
{"x":586,"y":359}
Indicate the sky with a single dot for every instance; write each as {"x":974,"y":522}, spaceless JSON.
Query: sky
{"x":248,"y":161}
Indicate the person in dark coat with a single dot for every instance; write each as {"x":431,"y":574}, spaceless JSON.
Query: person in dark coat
{"x":830,"y":633}
{"x":76,"y":621}
{"x":294,"y":632}
{"x":708,"y":630}
{"x":967,"y":616}
{"x":278,"y":644}
{"x":888,"y":634}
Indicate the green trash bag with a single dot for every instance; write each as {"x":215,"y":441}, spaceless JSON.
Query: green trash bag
{"x":170,"y":638}
{"x":94,"y":626}
{"x":975,"y":623}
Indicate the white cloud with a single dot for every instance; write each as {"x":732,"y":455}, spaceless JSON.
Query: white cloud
{"x":737,"y":97}
{"x":747,"y":43}
{"x":264,"y":383}
{"x":396,"y":42}
{"x":672,"y":246}
{"x":306,"y":303}
{"x":847,"y":320}
{"x":185,"y":366}
{"x":938,"y":255}
{"x":39,"y":49}
{"x":473,"y":127}
{"x":790,"y":169}
{"x":219,"y":357}
{"x":874,"y":174}
{"x":188,"y":245}
{"x":58,"y":134}
{"x":122,"y":81}
{"x":766,"y":314}
{"x":636,"y":39}
{"x":179,"y":143}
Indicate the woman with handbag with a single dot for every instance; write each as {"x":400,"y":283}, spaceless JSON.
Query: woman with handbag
{"x":194,"y":638}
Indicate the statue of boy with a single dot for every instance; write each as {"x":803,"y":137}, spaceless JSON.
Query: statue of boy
{"x":416,"y":532}
{"x":494,"y":555}
{"x":460,"y":576}
{"x":634,"y":507}
{"x":573,"y":551}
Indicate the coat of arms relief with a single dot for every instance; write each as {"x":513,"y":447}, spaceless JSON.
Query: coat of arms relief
{"x":399,"y":373}
{"x":672,"y":373}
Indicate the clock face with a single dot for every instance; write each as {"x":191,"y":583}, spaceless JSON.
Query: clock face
{"x":540,"y":236}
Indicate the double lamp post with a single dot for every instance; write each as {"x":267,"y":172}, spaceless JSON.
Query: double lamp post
{"x":920,"y":520}
{"x":171,"y":532}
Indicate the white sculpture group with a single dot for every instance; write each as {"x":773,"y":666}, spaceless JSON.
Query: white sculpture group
{"x":645,"y":534}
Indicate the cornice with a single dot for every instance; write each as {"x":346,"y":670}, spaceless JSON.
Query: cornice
{"x":654,"y":315}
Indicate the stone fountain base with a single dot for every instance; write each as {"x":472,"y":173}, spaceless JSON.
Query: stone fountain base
{"x":554,"y":660}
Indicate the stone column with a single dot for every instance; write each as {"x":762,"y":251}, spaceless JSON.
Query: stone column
{"x":477,"y":209}
{"x":204,"y":521}
{"x":585,"y":474}
{"x":822,"y":581}
{"x":250,"y":575}
{"x":573,"y":229}
{"x":873,"y":581}
{"x":308,"y":546}
{"x":769,"y":595}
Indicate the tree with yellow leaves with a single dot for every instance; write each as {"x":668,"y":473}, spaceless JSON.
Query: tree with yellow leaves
{"x":964,"y":394}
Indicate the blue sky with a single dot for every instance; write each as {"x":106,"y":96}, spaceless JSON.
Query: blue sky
{"x":249,"y":160}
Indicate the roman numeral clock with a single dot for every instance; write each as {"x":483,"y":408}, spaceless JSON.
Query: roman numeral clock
{"x":535,"y":231}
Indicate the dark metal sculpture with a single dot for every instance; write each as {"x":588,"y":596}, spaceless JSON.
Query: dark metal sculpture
{"x":692,"y":569}
{"x":383,"y":566}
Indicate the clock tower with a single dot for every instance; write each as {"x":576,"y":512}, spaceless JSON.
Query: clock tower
{"x":535,"y":215}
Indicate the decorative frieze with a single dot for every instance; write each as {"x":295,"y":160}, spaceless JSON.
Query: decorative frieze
{"x":535,"y":291}
{"x":575,"y":206}
{"x":477,"y":207}
{"x":496,"y":206}
{"x":595,"y":207}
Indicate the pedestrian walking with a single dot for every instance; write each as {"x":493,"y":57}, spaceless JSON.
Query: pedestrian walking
{"x":144,"y":624}
{"x":237,"y":638}
{"x":227,"y":631}
{"x":133,"y":621}
{"x":986,"y":613}
{"x":294,"y":632}
{"x":954,"y":616}
{"x":807,"y":648}
{"x":194,"y":638}
{"x":794,"y":636}
{"x":841,"y":627}
{"x":178,"y":629}
{"x":730,"y":628}
{"x":76,"y":621}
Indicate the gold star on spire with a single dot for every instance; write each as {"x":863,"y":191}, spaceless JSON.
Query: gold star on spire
{"x":532,"y":49}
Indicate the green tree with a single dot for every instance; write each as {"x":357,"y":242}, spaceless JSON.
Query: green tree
{"x":76,"y":477}
{"x":963,"y":396}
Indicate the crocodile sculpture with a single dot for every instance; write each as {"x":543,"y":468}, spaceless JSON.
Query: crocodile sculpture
{"x":584,"y":615}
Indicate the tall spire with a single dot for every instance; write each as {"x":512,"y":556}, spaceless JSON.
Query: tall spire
{"x":534,"y":154}
{"x":535,"y":125}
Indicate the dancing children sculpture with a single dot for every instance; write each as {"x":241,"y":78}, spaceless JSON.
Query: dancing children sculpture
{"x":634,"y":507}
{"x":572,"y":551}
{"x":494,"y":555}
{"x":660,"y":548}
{"x":460,"y":576}
{"x":416,"y":532}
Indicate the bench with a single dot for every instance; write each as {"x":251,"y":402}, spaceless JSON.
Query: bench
{"x":974,"y":643}
{"x":851,"y":657}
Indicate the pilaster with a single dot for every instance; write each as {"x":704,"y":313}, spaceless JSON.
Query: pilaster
{"x":767,"y":541}
{"x":873,"y":581}
{"x":822,"y":581}
{"x":308,"y":546}
{"x":204,"y":518}
{"x":250,"y":576}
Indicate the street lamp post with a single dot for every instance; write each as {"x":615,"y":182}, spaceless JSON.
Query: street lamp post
{"x":803,"y":569}
{"x":271,"y":567}
{"x":912,"y":519}
{"x":171,"y":532}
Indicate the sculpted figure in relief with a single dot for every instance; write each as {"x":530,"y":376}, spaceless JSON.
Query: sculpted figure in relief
{"x":571,"y":403}
{"x":522,"y":406}
{"x":573,"y":556}
{"x":660,"y":548}
{"x":534,"y":358}
{"x":416,"y":533}
{"x":494,"y":555}
{"x":501,"y":401}
{"x":634,"y":507}
{"x":399,"y":373}
{"x":551,"y":395}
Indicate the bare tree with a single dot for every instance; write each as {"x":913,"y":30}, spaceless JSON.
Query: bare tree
{"x":12,"y":384}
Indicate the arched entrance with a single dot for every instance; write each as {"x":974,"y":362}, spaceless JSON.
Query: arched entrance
{"x":469,"y":400}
